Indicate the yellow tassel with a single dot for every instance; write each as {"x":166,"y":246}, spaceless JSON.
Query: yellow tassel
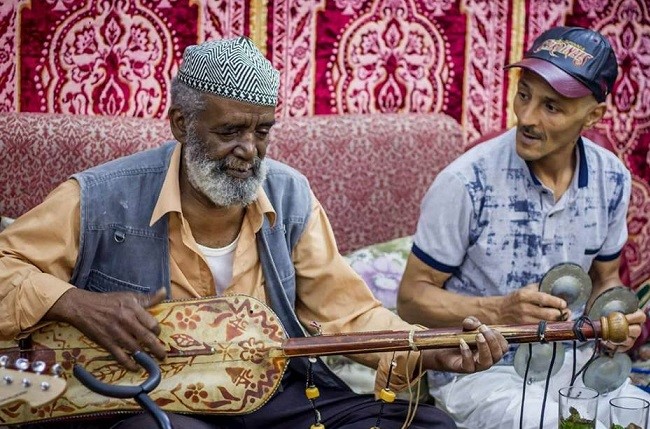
{"x":387,"y":395}
{"x":312,"y":392}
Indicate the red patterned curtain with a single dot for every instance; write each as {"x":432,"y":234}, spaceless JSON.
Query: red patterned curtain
{"x":338,"y":56}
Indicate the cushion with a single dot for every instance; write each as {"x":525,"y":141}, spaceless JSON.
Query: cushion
{"x":381,"y":266}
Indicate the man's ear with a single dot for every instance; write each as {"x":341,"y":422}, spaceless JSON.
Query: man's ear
{"x":595,"y":115}
{"x":177,"y":123}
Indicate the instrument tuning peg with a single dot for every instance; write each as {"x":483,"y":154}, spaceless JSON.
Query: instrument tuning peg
{"x":57,"y":370}
{"x":38,"y":366}
{"x":26,"y":382}
{"x":21,"y":364}
{"x":3,"y":363}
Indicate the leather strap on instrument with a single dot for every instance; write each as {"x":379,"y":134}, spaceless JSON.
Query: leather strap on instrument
{"x":541,"y":331}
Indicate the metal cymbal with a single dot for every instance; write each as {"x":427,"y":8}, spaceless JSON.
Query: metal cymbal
{"x":606,"y":374}
{"x":539,"y":362}
{"x":569,"y":282}
{"x":620,"y":299}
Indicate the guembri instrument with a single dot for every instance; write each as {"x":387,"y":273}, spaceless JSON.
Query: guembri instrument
{"x":227,"y":355}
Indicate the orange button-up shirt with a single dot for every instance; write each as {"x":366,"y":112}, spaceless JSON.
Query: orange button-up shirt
{"x":39,"y":250}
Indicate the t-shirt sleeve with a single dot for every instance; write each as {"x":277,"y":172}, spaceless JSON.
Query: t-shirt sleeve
{"x":442,"y":235}
{"x":617,"y":214}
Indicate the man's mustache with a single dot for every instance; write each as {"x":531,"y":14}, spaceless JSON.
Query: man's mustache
{"x":235,"y":164}
{"x":530,"y":131}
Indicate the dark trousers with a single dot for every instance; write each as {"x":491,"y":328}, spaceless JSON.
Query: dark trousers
{"x":339,"y":409}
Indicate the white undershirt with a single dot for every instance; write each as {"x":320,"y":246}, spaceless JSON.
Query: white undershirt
{"x":220,"y":261}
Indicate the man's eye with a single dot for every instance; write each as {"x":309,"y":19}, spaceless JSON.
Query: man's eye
{"x":522,"y":95}
{"x":552,"y":108}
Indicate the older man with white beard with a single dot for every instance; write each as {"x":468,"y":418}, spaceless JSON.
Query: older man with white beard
{"x":205,"y":215}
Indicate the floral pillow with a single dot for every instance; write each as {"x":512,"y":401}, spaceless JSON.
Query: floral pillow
{"x":381,"y":266}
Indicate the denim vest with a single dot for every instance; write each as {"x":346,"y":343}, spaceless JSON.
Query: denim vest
{"x":119,"y":251}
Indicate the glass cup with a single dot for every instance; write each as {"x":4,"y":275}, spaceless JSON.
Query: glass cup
{"x":626,"y":412}
{"x":578,"y":408}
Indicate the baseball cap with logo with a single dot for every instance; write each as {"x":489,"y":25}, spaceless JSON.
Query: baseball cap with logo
{"x":575,"y":61}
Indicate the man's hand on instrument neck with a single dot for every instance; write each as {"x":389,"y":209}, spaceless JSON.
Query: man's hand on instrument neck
{"x":116,"y":321}
{"x":491,"y":346}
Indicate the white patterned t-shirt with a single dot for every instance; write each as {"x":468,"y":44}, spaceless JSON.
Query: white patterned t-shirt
{"x":490,"y":223}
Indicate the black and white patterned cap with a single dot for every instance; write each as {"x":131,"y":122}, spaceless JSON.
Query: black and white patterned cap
{"x":231,"y":68}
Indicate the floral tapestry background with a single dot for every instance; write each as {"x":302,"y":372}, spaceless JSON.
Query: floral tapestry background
{"x":338,"y":56}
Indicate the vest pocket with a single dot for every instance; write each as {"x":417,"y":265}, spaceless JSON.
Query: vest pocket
{"x":100,"y":282}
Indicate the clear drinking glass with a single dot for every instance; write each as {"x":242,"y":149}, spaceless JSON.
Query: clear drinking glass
{"x":626,"y":412}
{"x":578,"y":408}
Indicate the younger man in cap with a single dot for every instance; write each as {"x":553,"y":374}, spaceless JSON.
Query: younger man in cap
{"x":203,"y":215}
{"x":499,"y":217}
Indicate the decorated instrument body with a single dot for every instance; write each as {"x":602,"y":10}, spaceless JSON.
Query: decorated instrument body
{"x":217,"y":361}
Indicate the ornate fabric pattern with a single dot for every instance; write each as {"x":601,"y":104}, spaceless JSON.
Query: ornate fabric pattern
{"x":103,"y":58}
{"x":217,"y":362}
{"x":368,"y":171}
{"x":385,"y":63}
{"x":39,"y":151}
{"x":484,"y":99}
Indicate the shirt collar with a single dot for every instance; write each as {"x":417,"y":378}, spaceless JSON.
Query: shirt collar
{"x":169,"y":199}
{"x":583,"y":168}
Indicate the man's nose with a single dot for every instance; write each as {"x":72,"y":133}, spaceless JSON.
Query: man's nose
{"x":246,"y":147}
{"x":528,"y":115}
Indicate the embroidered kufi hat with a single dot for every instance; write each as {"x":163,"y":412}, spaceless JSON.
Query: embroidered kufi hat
{"x":231,"y":68}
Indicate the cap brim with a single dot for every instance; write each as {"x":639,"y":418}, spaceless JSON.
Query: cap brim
{"x":561,"y":81}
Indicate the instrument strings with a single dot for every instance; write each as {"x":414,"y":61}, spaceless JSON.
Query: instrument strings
{"x":267,"y":350}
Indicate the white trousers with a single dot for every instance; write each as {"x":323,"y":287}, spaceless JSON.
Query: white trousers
{"x":492,"y":398}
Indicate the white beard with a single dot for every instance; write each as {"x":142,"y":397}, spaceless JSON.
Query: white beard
{"x":209,"y":176}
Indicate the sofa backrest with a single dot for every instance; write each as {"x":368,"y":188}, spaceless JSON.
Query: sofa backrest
{"x":369,"y":171}
{"x":38,"y":151}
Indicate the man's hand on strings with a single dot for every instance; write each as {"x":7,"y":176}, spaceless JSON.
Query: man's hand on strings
{"x":635,"y":322}
{"x":116,"y":321}
{"x":491,"y":346}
